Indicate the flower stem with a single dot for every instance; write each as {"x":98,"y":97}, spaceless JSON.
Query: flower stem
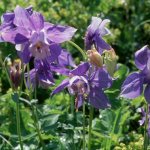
{"x":79,"y":49}
{"x":145,"y":129}
{"x":84,"y":126}
{"x":18,"y":124}
{"x":90,"y":127}
{"x":34,"y":113}
{"x":33,"y":108}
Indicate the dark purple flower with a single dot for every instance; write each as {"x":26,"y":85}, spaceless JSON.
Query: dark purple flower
{"x":133,"y":85}
{"x":96,"y":30}
{"x":41,"y":75}
{"x":35,"y":37}
{"x":87,"y":87}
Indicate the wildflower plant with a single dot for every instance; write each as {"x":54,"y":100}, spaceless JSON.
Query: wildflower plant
{"x":43,"y":59}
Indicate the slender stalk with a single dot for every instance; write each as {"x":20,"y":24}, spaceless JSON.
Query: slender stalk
{"x":84,"y":144}
{"x":18,"y":124}
{"x":17,"y":104}
{"x":34,"y":113}
{"x":34,"y":109}
{"x":79,"y":49}
{"x":90,"y":127}
{"x":145,"y":128}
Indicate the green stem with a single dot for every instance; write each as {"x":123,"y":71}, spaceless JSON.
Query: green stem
{"x":18,"y":124}
{"x":90,"y":127}
{"x":34,"y":109}
{"x":79,"y":49}
{"x":34,"y":112}
{"x":145,"y":129}
{"x":84,"y":126}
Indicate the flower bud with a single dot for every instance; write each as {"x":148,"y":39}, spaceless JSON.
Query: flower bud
{"x":95,"y":58}
{"x":110,"y":61}
{"x":15,"y":73}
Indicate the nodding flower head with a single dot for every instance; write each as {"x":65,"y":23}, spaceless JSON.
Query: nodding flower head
{"x":15,"y":73}
{"x":95,"y":58}
{"x":78,"y":85}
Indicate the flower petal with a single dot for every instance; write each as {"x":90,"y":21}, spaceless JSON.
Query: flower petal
{"x":65,"y":59}
{"x":141,"y":57}
{"x":101,"y":79}
{"x":102,"y":29}
{"x":147,"y":93}
{"x":59,"y":34}
{"x":55,"y":51}
{"x":79,"y":101}
{"x":38,"y":21}
{"x":24,"y":53}
{"x":61,"y":87}
{"x":81,"y":69}
{"x":132,"y":86}
{"x":60,"y":69}
{"x":7,"y":17}
{"x":98,"y":99}
{"x":101,"y":44}
{"x":22,"y":18}
{"x":95,"y":23}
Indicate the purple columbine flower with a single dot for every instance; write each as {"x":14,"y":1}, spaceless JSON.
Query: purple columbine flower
{"x":133,"y":85}
{"x":37,"y":38}
{"x":86,"y":87}
{"x":95,"y":31}
{"x":40,"y":75}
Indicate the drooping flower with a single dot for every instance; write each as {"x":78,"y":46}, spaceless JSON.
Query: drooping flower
{"x":40,"y":75}
{"x":134,"y":84}
{"x":86,"y":87}
{"x":43,"y":71}
{"x":94,"y":35}
{"x":15,"y":73}
{"x":35,"y":37}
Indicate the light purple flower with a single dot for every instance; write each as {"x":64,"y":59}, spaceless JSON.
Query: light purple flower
{"x":135,"y":83}
{"x":35,"y":37}
{"x":94,"y":35}
{"x":86,"y":87}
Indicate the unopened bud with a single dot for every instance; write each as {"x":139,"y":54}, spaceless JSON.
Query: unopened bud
{"x":15,"y":73}
{"x":110,"y":61}
{"x":95,"y":58}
